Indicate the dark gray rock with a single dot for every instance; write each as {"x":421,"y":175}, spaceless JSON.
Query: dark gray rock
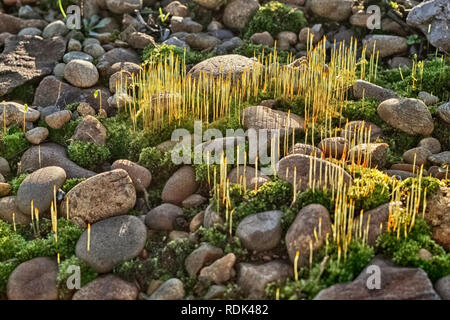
{"x":112,"y":241}
{"x":38,"y":187}
{"x":52,"y":154}
{"x":261,"y":231}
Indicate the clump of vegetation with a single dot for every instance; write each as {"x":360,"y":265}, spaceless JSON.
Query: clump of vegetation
{"x":87,"y":274}
{"x":70,"y":183}
{"x":250,"y":50}
{"x":166,"y":261}
{"x":435,"y":79}
{"x":270,"y":196}
{"x":163,"y":51}
{"x":61,"y":136}
{"x":405,"y":251}
{"x":15,"y":247}
{"x":16,"y":182}
{"x":218,"y":237}
{"x":87,"y":155}
{"x":365,"y":109}
{"x":160,"y":164}
{"x":327,"y":270}
{"x":442,"y":133}
{"x":13,"y":143}
{"x":122,"y":141}
{"x":430,"y":183}
{"x":370,"y":189}
{"x":398,"y":142}
{"x":275,"y":17}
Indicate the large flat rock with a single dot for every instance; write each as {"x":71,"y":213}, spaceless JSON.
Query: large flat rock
{"x":28,"y":58}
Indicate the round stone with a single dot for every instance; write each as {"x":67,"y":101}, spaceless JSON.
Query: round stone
{"x":82,"y":74}
{"x":112,"y":241}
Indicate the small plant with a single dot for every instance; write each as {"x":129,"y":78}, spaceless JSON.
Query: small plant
{"x":163,"y":17}
{"x":70,"y":183}
{"x":16,"y":182}
{"x":88,"y":155}
{"x":94,"y":23}
{"x":405,"y":251}
{"x":153,"y":54}
{"x":413,"y":39}
{"x":275,"y":17}
{"x":249,"y":49}
{"x":160,"y":164}
{"x":13,"y":143}
{"x":326,"y":271}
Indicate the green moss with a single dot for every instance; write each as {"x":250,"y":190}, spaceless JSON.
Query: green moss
{"x":152,"y":54}
{"x":87,"y":155}
{"x":70,"y":183}
{"x":63,"y":135}
{"x":15,"y":249}
{"x":405,"y":251}
{"x":398,"y":142}
{"x":87,"y":275}
{"x":326,"y":271}
{"x":275,"y":17}
{"x":370,"y":189}
{"x":160,"y":164}
{"x":72,"y":107}
{"x":16,"y":182}
{"x":362,"y":110}
{"x":250,"y":50}
{"x":435,"y":79}
{"x":430,"y":183}
{"x":13,"y":144}
{"x":218,"y":237}
{"x":119,"y":135}
{"x":272,"y":195}
{"x":6,"y":268}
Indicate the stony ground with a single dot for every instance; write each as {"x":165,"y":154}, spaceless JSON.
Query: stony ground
{"x":79,"y":187}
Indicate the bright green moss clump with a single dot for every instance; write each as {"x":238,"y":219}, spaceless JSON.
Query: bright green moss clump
{"x":275,"y":17}
{"x":362,"y":110}
{"x":325,"y":272}
{"x":15,"y":247}
{"x":160,"y":164}
{"x":88,"y":155}
{"x":164,"y":51}
{"x":405,"y":251}
{"x":250,"y":50}
{"x":370,"y":189}
{"x":13,"y":144}
{"x":16,"y":182}
{"x":70,"y":183}
{"x":435,"y":79}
